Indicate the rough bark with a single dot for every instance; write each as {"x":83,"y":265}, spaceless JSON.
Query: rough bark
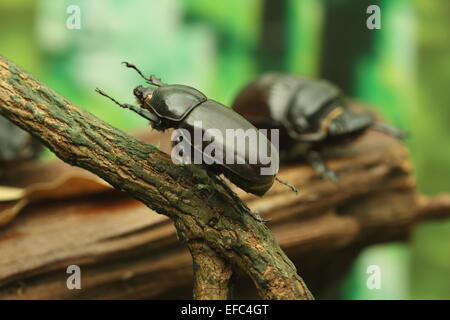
{"x":126,"y":251}
{"x":213,"y":276}
{"x":200,"y":207}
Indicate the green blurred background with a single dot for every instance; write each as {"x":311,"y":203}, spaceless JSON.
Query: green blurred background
{"x":403,"y":69}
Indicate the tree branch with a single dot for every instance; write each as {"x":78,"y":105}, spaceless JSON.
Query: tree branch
{"x":213,"y":276}
{"x":199,"y":206}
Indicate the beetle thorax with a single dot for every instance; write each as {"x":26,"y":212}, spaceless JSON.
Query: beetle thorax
{"x":174,"y":102}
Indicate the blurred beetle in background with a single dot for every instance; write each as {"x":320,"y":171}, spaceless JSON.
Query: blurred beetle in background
{"x":310,"y":114}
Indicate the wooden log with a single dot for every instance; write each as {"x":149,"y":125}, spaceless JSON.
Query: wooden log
{"x":127,"y":251}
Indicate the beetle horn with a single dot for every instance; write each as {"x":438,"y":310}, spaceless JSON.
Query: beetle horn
{"x":287,"y":184}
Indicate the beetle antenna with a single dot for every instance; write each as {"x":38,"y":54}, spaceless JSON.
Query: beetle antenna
{"x":151,"y":80}
{"x":142,"y":112}
{"x":287,"y":184}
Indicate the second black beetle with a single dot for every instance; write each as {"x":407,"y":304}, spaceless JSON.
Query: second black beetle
{"x":310,"y":114}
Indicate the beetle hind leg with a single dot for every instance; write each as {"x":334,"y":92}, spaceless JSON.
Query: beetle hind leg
{"x":315,"y":159}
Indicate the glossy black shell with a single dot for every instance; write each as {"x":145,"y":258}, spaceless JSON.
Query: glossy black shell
{"x":296,"y":105}
{"x":185,"y":107}
{"x":174,"y":102}
{"x":247,"y":176}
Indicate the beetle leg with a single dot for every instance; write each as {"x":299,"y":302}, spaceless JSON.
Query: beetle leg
{"x":319,"y":166}
{"x":140,"y":111}
{"x":290,"y":186}
{"x":132,"y":66}
{"x":151,"y":80}
{"x":255,"y":215}
{"x":308,"y":137}
{"x":239,"y":202}
{"x":393,"y":131}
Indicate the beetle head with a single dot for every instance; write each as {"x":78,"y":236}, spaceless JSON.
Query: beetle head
{"x":143,"y":94}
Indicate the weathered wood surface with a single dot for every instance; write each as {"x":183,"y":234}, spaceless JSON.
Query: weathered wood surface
{"x":200,"y":205}
{"x":127,"y":251}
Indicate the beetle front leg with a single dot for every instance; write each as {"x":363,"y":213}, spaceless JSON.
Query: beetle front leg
{"x":315,"y":159}
{"x":155,"y":121}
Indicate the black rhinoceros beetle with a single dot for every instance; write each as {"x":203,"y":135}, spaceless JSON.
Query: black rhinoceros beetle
{"x":181,"y":107}
{"x":310,"y":113}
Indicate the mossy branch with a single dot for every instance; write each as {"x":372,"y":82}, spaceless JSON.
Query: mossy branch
{"x":202,"y":211}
